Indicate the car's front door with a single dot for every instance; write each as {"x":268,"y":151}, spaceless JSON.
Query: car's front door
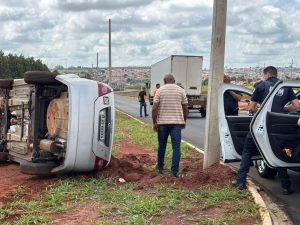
{"x":277,"y":135}
{"x":233,"y":129}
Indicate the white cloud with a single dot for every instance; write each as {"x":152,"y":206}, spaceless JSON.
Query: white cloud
{"x":144,"y":31}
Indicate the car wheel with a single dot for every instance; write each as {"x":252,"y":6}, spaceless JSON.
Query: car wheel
{"x":38,"y":168}
{"x":265,"y":171}
{"x":40,"y":77}
{"x":3,"y":157}
{"x":6,"y":83}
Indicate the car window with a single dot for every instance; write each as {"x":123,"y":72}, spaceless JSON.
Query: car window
{"x":236,"y":103}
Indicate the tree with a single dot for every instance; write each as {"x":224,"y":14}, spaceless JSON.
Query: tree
{"x":14,"y":66}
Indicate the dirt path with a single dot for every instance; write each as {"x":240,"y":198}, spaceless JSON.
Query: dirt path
{"x":11,"y":179}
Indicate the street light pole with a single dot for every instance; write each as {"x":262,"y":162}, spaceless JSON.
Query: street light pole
{"x":97,"y":66}
{"x":212,"y":140}
{"x":109,"y":52}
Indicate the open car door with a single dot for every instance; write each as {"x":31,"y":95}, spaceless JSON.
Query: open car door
{"x":277,"y":135}
{"x":233,"y":129}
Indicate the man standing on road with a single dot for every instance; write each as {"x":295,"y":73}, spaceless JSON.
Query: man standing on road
{"x":231,"y":100}
{"x":169,"y":113}
{"x":284,"y":96}
{"x":142,"y":101}
{"x":157,"y":86}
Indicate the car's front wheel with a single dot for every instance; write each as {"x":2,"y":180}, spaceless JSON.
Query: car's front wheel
{"x":3,"y":157}
{"x":40,"y":77}
{"x":38,"y":168}
{"x":265,"y":171}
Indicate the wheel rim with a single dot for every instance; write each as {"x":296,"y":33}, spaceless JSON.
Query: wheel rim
{"x":261,"y":166}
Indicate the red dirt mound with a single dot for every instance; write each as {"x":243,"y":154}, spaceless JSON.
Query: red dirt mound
{"x":140,"y":167}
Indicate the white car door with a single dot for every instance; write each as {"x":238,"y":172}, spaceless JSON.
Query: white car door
{"x":233,"y":129}
{"x":277,"y":135}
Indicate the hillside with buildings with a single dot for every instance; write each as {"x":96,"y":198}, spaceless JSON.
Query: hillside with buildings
{"x":134,"y":77}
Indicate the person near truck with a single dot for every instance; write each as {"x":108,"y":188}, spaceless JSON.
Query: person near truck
{"x":231,"y":100}
{"x":280,"y":100}
{"x":142,"y":101}
{"x":169,"y":113}
{"x":157,"y":86}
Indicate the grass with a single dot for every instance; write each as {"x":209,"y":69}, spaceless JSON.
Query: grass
{"x":143,"y":135}
{"x":123,"y":204}
{"x":219,"y":196}
{"x":204,"y":89}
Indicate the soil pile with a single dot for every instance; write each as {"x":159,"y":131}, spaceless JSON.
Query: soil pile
{"x":140,"y":167}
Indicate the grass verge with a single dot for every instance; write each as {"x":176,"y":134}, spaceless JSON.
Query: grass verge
{"x":112,"y":203}
{"x":143,"y":135}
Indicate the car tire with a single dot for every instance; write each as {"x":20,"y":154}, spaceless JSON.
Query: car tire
{"x":40,"y":77}
{"x":6,"y":83}
{"x":264,"y":170}
{"x":3,"y":157}
{"x":38,"y":168}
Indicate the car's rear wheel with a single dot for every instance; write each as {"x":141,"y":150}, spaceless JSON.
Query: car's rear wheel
{"x":3,"y":157}
{"x":38,"y":168}
{"x":40,"y":77}
{"x":6,"y":83}
{"x":265,"y":171}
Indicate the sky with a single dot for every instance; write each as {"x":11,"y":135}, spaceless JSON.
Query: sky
{"x":71,"y":32}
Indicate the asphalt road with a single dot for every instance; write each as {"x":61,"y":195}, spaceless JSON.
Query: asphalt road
{"x":194,"y":133}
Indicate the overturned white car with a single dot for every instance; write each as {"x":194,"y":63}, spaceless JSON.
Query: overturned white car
{"x":56,"y":123}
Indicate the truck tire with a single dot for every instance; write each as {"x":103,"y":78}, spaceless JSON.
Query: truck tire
{"x":203,"y":112}
{"x":38,"y":168}
{"x":6,"y":83}
{"x":265,"y":171}
{"x":40,"y":77}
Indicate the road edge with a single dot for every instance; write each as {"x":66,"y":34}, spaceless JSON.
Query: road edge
{"x":258,"y":199}
{"x":263,"y":209}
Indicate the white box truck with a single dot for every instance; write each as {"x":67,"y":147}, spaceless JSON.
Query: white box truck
{"x":187,"y":71}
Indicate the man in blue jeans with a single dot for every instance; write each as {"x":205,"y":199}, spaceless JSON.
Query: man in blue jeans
{"x":280,"y":100}
{"x":169,"y":113}
{"x":142,"y":100}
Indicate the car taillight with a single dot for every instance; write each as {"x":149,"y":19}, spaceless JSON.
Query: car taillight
{"x":99,"y":163}
{"x":103,"y":89}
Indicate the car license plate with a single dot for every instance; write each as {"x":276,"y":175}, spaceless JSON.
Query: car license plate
{"x":196,"y":106}
{"x":102,"y":124}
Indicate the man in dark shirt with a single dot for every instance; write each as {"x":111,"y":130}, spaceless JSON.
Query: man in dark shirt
{"x":283,"y":96}
{"x":142,"y":101}
{"x":231,"y":100}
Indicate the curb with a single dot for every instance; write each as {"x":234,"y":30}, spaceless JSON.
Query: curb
{"x":263,"y":210}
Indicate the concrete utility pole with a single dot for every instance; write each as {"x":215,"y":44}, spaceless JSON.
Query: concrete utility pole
{"x":109,"y":52}
{"x":212,"y":140}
